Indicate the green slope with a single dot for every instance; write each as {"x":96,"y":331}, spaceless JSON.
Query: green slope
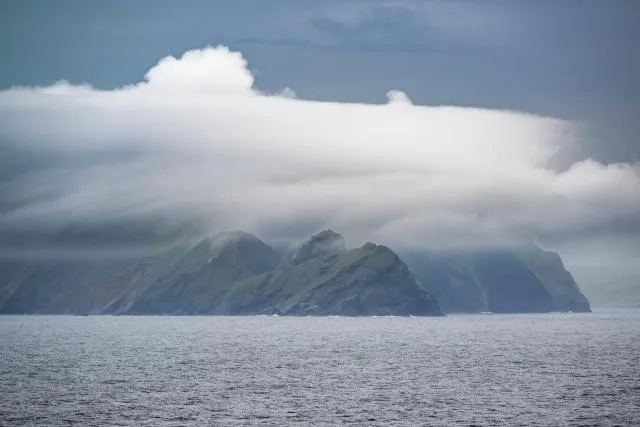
{"x":371,"y":280}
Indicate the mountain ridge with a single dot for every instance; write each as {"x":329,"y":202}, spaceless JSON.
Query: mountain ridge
{"x":235,"y":272}
{"x":520,"y":280}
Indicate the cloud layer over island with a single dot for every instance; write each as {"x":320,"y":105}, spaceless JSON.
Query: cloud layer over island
{"x":195,"y":148}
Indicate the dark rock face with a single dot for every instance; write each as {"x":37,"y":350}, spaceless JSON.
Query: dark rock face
{"x":195,"y":282}
{"x":324,"y":244}
{"x":450,"y":280}
{"x":66,"y":287}
{"x":550,"y":270}
{"x":179,"y":281}
{"x":371,"y":280}
{"x":518,"y":281}
{"x":510,"y":286}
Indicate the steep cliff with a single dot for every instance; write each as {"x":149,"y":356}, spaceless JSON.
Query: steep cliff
{"x":523,"y":280}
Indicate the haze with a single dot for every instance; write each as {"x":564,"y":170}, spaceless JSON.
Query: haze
{"x":197,"y":145}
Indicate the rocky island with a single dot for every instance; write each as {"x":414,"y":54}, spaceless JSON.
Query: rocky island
{"x":236,"y":273}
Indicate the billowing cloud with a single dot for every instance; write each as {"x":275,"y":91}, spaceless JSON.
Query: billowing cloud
{"x":195,"y":148}
{"x":201,"y":71}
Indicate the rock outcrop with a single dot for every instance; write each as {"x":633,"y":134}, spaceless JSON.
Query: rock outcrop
{"x":326,"y":279}
{"x":507,"y":281}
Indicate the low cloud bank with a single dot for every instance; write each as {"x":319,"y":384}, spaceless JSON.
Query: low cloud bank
{"x":195,"y":148}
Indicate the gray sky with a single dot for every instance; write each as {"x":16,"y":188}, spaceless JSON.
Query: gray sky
{"x":576,"y":61}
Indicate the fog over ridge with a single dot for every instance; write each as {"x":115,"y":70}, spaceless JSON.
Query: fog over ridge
{"x":195,"y":148}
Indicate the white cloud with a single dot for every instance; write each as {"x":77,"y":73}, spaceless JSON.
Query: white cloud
{"x":196,"y":143}
{"x":398,"y":97}
{"x":287,"y":92}
{"x":201,"y":71}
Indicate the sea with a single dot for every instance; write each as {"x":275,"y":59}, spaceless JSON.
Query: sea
{"x":513,"y":370}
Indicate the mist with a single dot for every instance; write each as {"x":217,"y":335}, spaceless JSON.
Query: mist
{"x":194,"y":149}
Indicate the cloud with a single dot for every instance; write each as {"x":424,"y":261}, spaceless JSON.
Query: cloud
{"x":398,"y":97}
{"x":199,"y":71}
{"x":195,"y":148}
{"x":409,"y":25}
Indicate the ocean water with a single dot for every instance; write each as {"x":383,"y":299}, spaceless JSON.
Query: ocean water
{"x":547,"y":369}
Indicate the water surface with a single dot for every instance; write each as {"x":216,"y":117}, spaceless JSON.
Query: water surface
{"x":547,"y":369}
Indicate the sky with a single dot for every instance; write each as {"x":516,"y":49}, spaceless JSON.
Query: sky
{"x":442,"y":124}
